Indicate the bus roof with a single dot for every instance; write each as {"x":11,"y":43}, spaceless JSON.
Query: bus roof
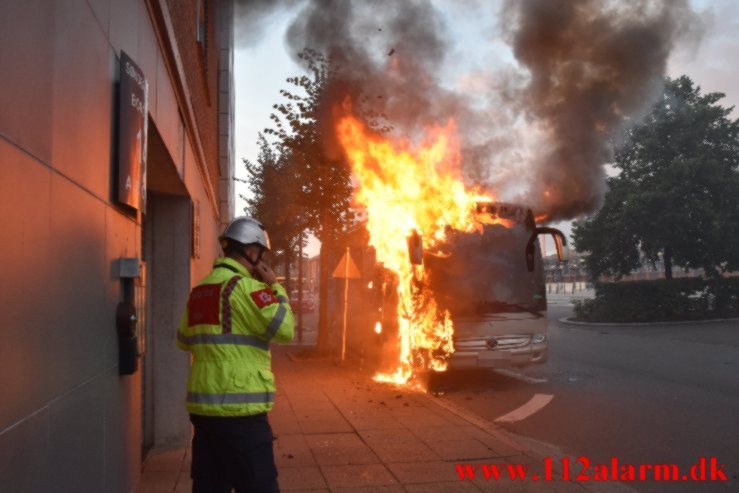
{"x":489,"y":211}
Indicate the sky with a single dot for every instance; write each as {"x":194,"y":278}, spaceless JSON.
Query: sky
{"x":262,"y":63}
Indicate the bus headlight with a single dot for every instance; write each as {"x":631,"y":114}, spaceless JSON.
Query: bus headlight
{"x":538,"y":338}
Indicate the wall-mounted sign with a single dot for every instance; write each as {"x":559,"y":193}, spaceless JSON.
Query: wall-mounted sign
{"x":132,"y":135}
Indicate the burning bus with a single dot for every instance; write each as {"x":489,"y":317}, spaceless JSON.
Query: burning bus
{"x":466,"y":289}
{"x":490,"y":284}
{"x":491,"y":281}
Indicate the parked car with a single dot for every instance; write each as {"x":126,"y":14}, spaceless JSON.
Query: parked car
{"x":308,"y":305}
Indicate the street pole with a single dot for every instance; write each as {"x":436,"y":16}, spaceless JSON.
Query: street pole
{"x":300,"y":287}
{"x":346,"y":301}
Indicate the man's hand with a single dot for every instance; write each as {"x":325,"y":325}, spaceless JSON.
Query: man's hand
{"x":265,"y":273}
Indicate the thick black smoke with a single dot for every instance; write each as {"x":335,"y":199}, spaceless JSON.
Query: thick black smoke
{"x":589,"y":69}
{"x":387,"y":54}
{"x":595,"y":67}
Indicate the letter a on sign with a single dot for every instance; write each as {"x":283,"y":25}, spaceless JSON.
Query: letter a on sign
{"x":344,"y":271}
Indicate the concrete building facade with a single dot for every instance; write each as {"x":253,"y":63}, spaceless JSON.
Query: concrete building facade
{"x":68,"y":420}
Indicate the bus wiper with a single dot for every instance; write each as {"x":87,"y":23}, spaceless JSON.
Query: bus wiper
{"x":500,"y":307}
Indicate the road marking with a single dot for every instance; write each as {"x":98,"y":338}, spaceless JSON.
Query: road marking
{"x":521,"y":376}
{"x":535,"y":405}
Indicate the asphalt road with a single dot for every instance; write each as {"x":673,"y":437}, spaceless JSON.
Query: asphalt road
{"x":646,"y":395}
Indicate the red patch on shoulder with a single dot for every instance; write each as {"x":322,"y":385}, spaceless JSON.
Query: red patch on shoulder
{"x":204,"y":305}
{"x":264,"y":297}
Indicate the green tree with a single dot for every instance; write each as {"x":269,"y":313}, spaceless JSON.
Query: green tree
{"x":324,"y":191}
{"x":676,"y":195}
{"x":274,"y":201}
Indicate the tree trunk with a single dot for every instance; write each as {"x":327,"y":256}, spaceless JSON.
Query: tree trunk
{"x":288,"y":281}
{"x":323,"y":315}
{"x":667,"y":259}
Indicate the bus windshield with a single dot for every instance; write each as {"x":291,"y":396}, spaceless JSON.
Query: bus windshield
{"x":485,"y":271}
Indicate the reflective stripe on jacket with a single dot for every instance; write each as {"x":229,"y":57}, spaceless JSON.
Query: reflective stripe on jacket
{"x":228,"y":324}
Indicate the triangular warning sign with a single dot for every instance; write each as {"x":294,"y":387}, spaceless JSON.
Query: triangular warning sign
{"x":344,"y":271}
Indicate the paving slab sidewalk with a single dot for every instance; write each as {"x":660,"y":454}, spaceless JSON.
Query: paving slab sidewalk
{"x":337,"y":430}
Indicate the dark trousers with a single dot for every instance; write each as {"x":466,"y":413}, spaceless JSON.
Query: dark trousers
{"x":233,"y":453}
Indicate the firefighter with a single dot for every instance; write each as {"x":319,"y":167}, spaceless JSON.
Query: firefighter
{"x":231,"y":318}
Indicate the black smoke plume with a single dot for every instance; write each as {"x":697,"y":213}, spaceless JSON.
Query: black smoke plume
{"x":386,"y":55}
{"x":588,"y":69}
{"x":595,"y":67}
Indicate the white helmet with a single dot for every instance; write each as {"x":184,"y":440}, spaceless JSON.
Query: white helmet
{"x":247,"y":231}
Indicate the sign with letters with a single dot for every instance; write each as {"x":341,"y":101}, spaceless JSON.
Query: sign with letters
{"x":132,"y":136}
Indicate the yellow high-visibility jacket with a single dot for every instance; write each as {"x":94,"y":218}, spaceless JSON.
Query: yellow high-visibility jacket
{"x":228,"y":324}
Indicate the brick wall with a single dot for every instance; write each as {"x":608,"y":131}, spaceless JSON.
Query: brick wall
{"x":201,"y":72}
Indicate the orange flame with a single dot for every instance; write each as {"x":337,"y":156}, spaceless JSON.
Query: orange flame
{"x":403,"y":189}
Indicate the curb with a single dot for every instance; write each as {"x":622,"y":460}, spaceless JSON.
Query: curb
{"x":534,"y":451}
{"x":478,"y":421}
{"x":569,"y":321}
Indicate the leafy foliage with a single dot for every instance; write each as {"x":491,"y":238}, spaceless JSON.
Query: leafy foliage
{"x":325,"y":189}
{"x":274,"y":192}
{"x":298,"y":184}
{"x":677,"y":193}
{"x":661,"y":300}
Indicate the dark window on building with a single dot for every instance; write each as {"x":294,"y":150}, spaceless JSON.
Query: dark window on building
{"x":144,"y":237}
{"x":202,"y":40}
{"x":202,"y":31}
